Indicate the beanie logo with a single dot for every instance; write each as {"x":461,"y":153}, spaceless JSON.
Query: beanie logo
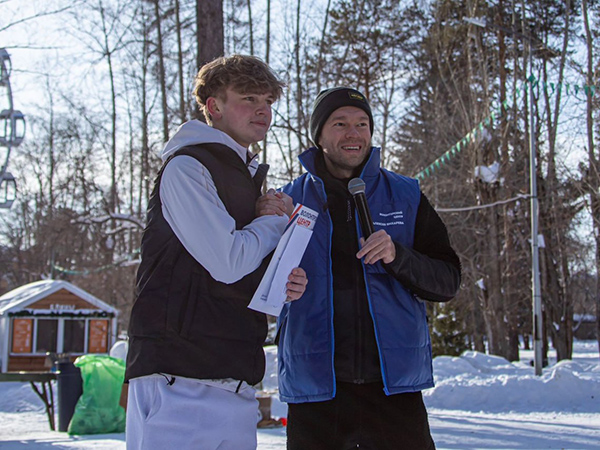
{"x":356,"y":96}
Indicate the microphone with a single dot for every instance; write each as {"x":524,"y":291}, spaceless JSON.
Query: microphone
{"x":356,"y":186}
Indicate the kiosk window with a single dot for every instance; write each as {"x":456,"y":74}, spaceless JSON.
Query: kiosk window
{"x":74,"y":336}
{"x":47,"y":332}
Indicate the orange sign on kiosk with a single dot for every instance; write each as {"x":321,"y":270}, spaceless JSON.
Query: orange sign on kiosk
{"x":98,"y":336}
{"x":22,"y":335}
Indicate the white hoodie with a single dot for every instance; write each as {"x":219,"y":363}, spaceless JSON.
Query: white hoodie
{"x":197,"y":216}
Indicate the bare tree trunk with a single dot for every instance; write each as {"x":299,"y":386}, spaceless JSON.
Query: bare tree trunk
{"x":529,"y":128}
{"x":593,"y":175}
{"x":131,"y":159}
{"x":320,"y":58}
{"x":209,"y":22}
{"x":267,"y":56}
{"x":249,"y":4}
{"x":485,"y":154}
{"x":497,"y":313}
{"x":51,"y":159}
{"x":180,"y":69}
{"x":560,"y":305}
{"x":161,"y":71}
{"x":387,"y":103}
{"x":299,"y":108}
{"x":209,"y":35}
{"x":268,"y":34}
{"x":507,"y":190}
{"x":290,"y":146}
{"x":112,"y":204}
{"x":477,"y":321}
{"x":145,"y":156}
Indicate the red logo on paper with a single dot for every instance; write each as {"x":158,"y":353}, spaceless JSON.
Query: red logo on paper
{"x":303,"y":222}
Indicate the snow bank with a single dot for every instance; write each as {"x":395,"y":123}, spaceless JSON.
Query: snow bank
{"x":479,"y":382}
{"x":19,"y":397}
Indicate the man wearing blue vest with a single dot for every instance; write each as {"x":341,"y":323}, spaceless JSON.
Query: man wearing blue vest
{"x":355,"y":354}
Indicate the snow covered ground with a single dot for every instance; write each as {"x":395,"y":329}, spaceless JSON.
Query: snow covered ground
{"x":479,"y":402}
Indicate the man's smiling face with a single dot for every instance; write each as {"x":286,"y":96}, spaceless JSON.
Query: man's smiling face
{"x":345,"y":140}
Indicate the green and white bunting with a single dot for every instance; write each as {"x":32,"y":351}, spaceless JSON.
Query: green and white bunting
{"x":567,"y":88}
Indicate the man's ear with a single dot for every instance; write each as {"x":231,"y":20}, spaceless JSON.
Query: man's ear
{"x":212,"y":104}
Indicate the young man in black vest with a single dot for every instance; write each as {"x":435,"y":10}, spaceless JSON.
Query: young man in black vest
{"x":195,"y":349}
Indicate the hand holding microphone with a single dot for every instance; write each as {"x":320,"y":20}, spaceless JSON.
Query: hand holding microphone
{"x":356,"y":186}
{"x":376,"y":245}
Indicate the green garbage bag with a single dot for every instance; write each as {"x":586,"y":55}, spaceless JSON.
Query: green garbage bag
{"x":98,"y":411}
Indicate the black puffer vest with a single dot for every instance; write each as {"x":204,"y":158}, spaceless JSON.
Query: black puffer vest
{"x":183,"y":321}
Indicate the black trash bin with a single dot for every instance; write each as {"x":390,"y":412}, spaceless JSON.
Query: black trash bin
{"x":70,"y":388}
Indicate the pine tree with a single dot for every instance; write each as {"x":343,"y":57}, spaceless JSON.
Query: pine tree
{"x":448,"y":336}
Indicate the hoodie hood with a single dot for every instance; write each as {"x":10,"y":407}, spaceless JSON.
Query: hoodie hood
{"x":196,"y":132}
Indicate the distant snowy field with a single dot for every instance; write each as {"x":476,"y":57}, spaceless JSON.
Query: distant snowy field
{"x":479,"y":402}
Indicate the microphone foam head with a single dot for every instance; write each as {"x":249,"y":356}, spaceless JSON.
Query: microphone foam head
{"x":356,"y":186}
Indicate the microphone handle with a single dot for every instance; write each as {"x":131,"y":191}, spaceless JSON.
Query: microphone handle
{"x":364,"y":215}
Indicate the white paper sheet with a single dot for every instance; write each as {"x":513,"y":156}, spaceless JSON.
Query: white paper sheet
{"x":270,"y":295}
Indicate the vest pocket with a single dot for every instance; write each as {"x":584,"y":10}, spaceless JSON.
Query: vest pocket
{"x":148,"y":316}
{"x":187,"y":314}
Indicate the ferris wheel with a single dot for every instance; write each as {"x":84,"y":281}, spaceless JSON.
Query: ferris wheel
{"x":12,"y":132}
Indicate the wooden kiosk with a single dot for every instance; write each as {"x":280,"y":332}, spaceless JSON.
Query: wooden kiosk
{"x":52,"y":316}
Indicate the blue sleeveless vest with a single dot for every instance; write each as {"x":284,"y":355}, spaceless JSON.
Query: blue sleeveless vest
{"x":306,"y":343}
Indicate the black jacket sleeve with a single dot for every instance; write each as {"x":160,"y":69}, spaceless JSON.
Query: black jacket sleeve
{"x":431,"y":269}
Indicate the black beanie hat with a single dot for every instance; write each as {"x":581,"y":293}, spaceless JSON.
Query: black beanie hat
{"x":328,"y":101}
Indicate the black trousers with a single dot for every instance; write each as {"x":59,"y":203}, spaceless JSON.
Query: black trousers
{"x":360,"y":416}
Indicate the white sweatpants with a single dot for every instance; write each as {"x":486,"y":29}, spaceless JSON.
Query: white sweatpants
{"x":190,"y":414}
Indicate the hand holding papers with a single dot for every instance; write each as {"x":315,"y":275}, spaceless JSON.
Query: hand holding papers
{"x":271,"y":293}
